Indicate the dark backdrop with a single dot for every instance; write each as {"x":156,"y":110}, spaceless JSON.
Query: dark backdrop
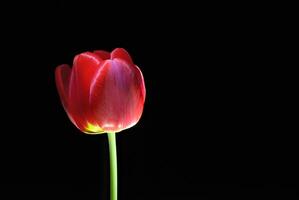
{"x":210,"y":117}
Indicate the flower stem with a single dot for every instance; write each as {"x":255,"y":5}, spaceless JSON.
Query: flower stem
{"x":113,"y":166}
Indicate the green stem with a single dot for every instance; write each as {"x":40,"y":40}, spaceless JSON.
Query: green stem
{"x":113,"y":166}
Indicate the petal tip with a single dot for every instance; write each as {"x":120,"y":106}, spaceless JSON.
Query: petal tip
{"x":104,"y":55}
{"x":122,"y":54}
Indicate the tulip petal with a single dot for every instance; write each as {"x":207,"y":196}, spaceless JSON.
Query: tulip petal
{"x":85,"y":66}
{"x":117,"y":96}
{"x":102,"y":54}
{"x":62,"y":76}
{"x":140,"y":81}
{"x":122,"y":54}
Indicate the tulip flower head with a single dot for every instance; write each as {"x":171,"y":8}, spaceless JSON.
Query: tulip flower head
{"x":103,"y":92}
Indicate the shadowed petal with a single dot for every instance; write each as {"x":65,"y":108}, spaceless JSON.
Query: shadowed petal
{"x":62,"y":76}
{"x":102,"y":54}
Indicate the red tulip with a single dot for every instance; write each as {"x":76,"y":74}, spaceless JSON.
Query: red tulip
{"x":103,"y":92}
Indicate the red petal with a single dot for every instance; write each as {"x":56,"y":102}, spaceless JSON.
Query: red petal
{"x":117,"y":96}
{"x":122,"y":54}
{"x":84,"y":69}
{"x":140,"y":81}
{"x":62,"y":77}
{"x":102,"y":54}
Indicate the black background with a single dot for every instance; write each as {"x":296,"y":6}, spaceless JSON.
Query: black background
{"x":211,"y":116}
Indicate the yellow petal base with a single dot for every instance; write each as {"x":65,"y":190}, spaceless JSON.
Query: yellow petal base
{"x":93,"y":129}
